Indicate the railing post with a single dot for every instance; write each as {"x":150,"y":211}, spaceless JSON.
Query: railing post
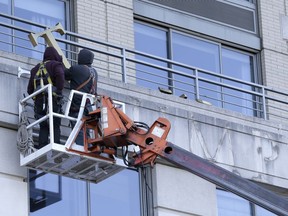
{"x":264,"y":103}
{"x":124,"y":77}
{"x":50,"y":113}
{"x":197,"y":85}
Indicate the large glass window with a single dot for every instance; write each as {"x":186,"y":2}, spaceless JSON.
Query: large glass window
{"x":117,"y":195}
{"x":42,"y":12}
{"x":51,"y":194}
{"x":201,"y":69}
{"x":197,"y":54}
{"x":240,"y":66}
{"x":152,"y":41}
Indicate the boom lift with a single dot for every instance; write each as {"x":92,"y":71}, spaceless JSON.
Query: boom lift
{"x":113,"y":129}
{"x":110,"y":131}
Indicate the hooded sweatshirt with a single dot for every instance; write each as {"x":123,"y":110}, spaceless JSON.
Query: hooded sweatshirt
{"x":54,"y":67}
{"x":78,"y":74}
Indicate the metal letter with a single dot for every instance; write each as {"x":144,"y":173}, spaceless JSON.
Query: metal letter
{"x":50,"y":40}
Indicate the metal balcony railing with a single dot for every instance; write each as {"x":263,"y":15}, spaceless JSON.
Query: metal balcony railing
{"x":134,"y":67}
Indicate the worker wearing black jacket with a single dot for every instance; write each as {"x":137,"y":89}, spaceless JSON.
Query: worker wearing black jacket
{"x":54,"y":70}
{"x":83,"y":77}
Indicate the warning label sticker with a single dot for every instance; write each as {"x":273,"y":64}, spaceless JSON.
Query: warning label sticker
{"x":157,"y":131}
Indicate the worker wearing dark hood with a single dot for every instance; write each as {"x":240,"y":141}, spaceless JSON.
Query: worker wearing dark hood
{"x":78,"y":74}
{"x":83,"y":77}
{"x":50,"y":71}
{"x":55,"y":69}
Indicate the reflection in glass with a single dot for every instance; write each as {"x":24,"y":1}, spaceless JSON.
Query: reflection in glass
{"x":4,"y":6}
{"x":153,"y":41}
{"x":117,"y":195}
{"x":44,"y":12}
{"x":230,"y":204}
{"x":42,"y":196}
{"x":5,"y":39}
{"x":57,"y":194}
{"x":200,"y":73}
{"x":263,"y":212}
{"x":200,"y":54}
{"x":195,"y":52}
{"x":240,"y":66}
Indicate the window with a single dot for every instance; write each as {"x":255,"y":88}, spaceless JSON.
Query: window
{"x":5,"y":40}
{"x":231,"y":204}
{"x":156,"y":38}
{"x":240,"y":66}
{"x":199,"y":54}
{"x":117,"y":195}
{"x":42,"y":12}
{"x":51,"y":194}
{"x":206,"y":71}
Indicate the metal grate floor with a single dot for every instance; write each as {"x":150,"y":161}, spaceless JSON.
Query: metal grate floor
{"x":54,"y":158}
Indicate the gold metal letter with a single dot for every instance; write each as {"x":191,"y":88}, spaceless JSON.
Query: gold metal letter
{"x":50,"y":40}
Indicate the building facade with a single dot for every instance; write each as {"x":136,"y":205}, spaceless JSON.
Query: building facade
{"x":216,"y":69}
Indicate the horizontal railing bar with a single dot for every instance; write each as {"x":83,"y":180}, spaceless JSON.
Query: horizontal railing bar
{"x":14,"y":18}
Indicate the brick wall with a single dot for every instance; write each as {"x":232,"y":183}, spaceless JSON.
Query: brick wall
{"x":108,"y":20}
{"x":274,"y":47}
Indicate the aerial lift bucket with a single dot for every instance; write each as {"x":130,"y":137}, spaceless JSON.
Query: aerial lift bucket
{"x":54,"y":157}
